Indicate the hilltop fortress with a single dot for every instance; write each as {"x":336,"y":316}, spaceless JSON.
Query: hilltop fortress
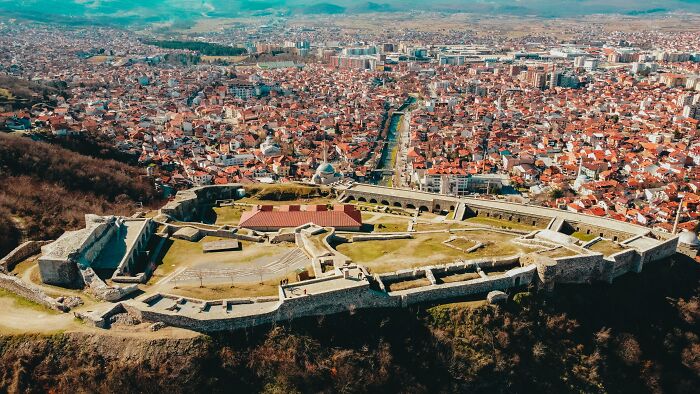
{"x":546,"y":256}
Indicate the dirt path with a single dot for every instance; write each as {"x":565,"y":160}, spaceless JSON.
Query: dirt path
{"x":16,"y":318}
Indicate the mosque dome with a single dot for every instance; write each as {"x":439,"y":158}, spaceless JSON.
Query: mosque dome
{"x":689,"y":238}
{"x":325,"y":168}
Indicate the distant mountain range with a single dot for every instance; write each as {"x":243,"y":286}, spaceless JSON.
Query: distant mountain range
{"x":150,"y":11}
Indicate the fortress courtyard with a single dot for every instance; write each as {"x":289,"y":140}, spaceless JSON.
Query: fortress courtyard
{"x":209,"y":261}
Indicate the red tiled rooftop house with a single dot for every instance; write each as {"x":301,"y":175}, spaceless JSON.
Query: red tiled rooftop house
{"x":265,"y":218}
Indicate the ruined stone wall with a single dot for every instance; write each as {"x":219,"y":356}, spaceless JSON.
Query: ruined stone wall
{"x":403,"y":275}
{"x":579,"y":269}
{"x":659,"y":252}
{"x":232,"y":233}
{"x":101,"y":290}
{"x":338,"y":301}
{"x":600,"y":231}
{"x":584,"y":268}
{"x":620,"y":263}
{"x":494,"y":262}
{"x":513,"y":278}
{"x":283,"y":237}
{"x":20,"y":253}
{"x":379,"y":237}
{"x":311,"y":248}
{"x":32,"y":293}
{"x":512,"y":216}
{"x":200,"y":324}
{"x":96,"y":242}
{"x":100,"y":318}
{"x":595,"y":267}
{"x":191,"y":204}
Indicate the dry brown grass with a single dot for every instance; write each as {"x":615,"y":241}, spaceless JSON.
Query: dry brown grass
{"x":559,"y":252}
{"x":230,"y":214}
{"x":459,"y":277}
{"x":223,"y":292}
{"x":238,"y":290}
{"x":409,"y":284}
{"x":607,"y":248}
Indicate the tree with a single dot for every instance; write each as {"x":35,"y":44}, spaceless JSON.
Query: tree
{"x":199,"y":275}
{"x":556,"y":194}
{"x":261,"y":272}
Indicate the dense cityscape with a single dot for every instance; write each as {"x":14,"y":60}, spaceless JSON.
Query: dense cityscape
{"x":604,"y":123}
{"x":283,"y":196}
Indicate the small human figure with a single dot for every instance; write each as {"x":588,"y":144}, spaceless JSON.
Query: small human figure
{"x":304,"y":291}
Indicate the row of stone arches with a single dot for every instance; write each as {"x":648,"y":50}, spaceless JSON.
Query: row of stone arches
{"x":396,"y":204}
{"x":500,"y":216}
{"x":615,"y":238}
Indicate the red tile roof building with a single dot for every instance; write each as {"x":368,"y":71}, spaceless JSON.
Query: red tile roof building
{"x":266,"y":218}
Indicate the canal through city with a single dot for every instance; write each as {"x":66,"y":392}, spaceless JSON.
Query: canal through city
{"x":386,"y":161}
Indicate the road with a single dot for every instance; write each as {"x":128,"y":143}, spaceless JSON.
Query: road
{"x":401,"y":170}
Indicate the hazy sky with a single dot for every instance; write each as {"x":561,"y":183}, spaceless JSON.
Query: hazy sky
{"x":158,"y":10}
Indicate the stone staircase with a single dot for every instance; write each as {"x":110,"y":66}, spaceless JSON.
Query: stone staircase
{"x":556,"y":224}
{"x":460,"y":211}
{"x":292,"y":260}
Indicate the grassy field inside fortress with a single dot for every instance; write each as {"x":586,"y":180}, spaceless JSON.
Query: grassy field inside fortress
{"x":183,"y":254}
{"x":583,"y":236}
{"x":285,"y":194}
{"x":237,"y":290}
{"x":230,"y":215}
{"x":383,"y":223}
{"x":607,"y":248}
{"x":500,"y":223}
{"x":559,"y":252}
{"x":426,"y":249}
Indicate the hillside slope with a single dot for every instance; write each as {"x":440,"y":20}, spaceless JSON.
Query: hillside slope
{"x":639,"y":335}
{"x":48,"y":189}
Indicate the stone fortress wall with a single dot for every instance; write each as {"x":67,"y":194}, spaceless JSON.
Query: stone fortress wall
{"x":31,"y":293}
{"x":336,"y":291}
{"x":542,"y":273}
{"x":340,"y":295}
{"x":58,"y":264}
{"x":189,"y":205}
{"x":144,"y":231}
{"x":20,"y":253}
{"x":515,"y":212}
{"x":215,"y":315}
{"x":68,"y":261}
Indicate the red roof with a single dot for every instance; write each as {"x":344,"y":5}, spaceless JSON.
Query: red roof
{"x":341,"y":217}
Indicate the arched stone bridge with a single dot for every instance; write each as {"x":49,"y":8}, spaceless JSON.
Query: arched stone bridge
{"x":465,"y":207}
